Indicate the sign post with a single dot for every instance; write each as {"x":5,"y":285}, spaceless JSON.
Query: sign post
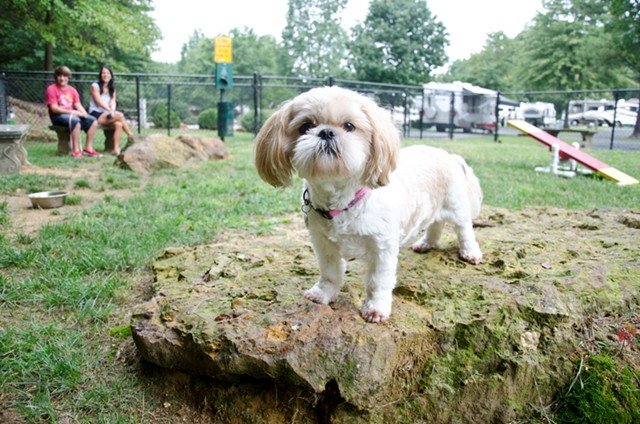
{"x":222,"y":56}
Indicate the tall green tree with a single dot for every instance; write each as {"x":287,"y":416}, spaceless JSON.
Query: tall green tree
{"x":568,"y":48}
{"x":399,"y":42}
{"x":254,"y":53}
{"x":625,"y":25}
{"x":40,"y":34}
{"x":625,"y":28}
{"x":491,"y":67}
{"x":196,"y":55}
{"x":315,"y":44}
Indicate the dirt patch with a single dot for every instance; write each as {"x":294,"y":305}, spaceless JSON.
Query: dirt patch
{"x":27,"y":220}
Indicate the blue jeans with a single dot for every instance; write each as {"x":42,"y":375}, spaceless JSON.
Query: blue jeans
{"x":62,"y":120}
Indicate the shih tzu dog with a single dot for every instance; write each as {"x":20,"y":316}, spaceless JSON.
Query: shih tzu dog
{"x":357,"y":204}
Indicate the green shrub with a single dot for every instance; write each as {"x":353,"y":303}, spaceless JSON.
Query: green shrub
{"x":208,"y":119}
{"x":160,"y":117}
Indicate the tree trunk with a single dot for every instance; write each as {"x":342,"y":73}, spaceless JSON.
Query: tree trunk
{"x":48,"y":47}
{"x":48,"y":57}
{"x":636,"y":127}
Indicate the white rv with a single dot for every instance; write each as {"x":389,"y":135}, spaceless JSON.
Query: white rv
{"x":473,"y":107}
{"x":540,"y":114}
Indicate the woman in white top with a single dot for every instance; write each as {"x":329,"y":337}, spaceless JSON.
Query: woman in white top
{"x":102,"y":105}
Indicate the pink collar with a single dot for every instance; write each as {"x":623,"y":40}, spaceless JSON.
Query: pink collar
{"x":330,"y":214}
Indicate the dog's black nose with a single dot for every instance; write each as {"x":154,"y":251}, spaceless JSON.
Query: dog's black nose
{"x":326,"y":134}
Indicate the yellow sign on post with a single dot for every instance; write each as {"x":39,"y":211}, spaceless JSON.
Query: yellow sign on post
{"x":222,"y":49}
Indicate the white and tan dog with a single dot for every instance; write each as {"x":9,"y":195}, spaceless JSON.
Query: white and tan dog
{"x":346,"y":148}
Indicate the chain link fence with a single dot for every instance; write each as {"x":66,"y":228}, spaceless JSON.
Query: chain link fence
{"x":176,"y":104}
{"x":610,"y":114}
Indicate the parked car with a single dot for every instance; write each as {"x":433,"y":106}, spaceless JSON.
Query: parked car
{"x":601,"y":112}
{"x":606,"y":117}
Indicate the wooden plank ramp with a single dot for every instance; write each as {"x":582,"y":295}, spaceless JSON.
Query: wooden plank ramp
{"x":568,"y":151}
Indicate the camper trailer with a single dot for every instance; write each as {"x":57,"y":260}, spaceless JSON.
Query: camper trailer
{"x":473,"y":107}
{"x":540,"y":114}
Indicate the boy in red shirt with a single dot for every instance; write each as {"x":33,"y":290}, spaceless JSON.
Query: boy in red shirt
{"x":65,"y":110}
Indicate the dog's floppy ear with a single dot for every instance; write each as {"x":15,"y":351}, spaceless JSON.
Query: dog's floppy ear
{"x":272,"y":152}
{"x":385,"y":145}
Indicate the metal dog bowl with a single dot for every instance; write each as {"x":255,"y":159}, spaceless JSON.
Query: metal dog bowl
{"x":48,"y":199}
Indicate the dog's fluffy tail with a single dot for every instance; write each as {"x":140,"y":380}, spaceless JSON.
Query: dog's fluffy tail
{"x":474,"y":191}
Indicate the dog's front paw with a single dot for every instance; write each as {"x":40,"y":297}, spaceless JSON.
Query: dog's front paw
{"x":376,"y":311}
{"x":373,"y":315}
{"x":473,"y":255}
{"x":322,"y":295}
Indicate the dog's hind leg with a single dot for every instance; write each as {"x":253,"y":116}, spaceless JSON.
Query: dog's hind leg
{"x":431,"y":239}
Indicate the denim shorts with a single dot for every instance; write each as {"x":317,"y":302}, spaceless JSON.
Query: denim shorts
{"x":62,"y":120}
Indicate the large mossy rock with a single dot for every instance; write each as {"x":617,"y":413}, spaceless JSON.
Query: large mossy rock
{"x":487,"y":343}
{"x":158,"y":151}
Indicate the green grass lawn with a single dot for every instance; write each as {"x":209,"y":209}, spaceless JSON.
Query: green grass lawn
{"x":508,"y":179}
{"x":66,"y":292}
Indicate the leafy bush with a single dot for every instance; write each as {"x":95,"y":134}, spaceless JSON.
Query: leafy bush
{"x":160,"y":117}
{"x":208,"y":119}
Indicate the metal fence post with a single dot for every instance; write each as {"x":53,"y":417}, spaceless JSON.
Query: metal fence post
{"x":422,"y":114}
{"x":260,"y":87}
{"x":405,"y":118}
{"x":451,"y":114}
{"x":615,"y":117}
{"x":497,"y":111}
{"x":3,"y":99}
{"x":255,"y":103}
{"x":169,"y":109}
{"x":138,"y":101}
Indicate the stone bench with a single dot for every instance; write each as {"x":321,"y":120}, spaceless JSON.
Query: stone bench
{"x":64,"y":137}
{"x":12,"y":152}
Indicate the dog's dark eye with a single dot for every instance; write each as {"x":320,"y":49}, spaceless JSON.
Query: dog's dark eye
{"x":348,"y":127}
{"x":304,"y":128}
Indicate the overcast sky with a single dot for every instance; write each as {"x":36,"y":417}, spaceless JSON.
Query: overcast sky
{"x":467,"y":21}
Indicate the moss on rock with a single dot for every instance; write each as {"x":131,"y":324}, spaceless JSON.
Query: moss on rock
{"x":603,"y":391}
{"x":489,"y":343}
